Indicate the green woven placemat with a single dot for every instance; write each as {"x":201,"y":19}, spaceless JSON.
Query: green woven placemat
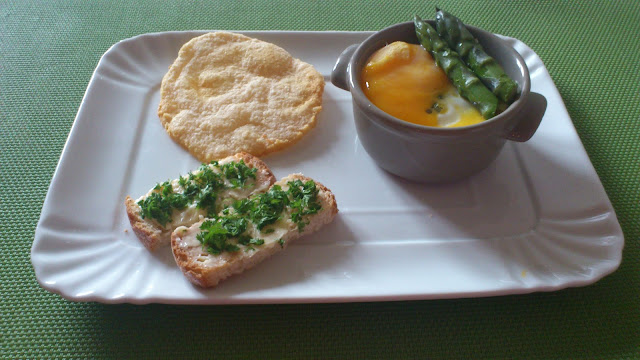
{"x":48,"y":51}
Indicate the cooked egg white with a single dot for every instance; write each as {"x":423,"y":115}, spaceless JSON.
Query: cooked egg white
{"x":403,"y":80}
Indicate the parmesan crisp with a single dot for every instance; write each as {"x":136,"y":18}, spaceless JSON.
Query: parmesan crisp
{"x":227,"y":93}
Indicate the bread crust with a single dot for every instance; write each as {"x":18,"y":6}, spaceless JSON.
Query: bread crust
{"x":152,"y":235}
{"x":148,"y":233}
{"x":207,"y":270}
{"x":255,"y":162}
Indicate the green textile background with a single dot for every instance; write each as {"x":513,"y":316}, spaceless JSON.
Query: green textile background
{"x":48,"y":50}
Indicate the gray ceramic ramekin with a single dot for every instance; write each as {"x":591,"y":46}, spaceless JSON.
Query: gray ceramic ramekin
{"x":431,"y":154}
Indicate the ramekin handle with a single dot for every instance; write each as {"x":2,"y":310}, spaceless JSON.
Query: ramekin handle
{"x":530,"y":118}
{"x":340,"y":72}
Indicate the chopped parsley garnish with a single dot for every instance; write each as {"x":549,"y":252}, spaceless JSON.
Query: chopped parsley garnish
{"x":305,"y":201}
{"x":436,"y":106}
{"x":207,"y":200}
{"x":191,"y":189}
{"x":159,"y":205}
{"x":228,"y":230}
{"x":268,"y":207}
{"x":201,"y":188}
{"x":247,"y":240}
{"x":238,"y":172}
{"x":242,"y":206}
{"x":234,"y":226}
{"x":218,"y":235}
{"x":214,"y":237}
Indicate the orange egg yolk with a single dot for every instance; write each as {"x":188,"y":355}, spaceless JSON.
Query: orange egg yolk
{"x":404,"y":81}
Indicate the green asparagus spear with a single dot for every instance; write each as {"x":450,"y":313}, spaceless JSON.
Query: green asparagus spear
{"x":453,"y":31}
{"x":465,"y":81}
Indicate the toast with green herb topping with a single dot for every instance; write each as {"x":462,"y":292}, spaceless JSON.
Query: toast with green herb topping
{"x":251,"y":230}
{"x":191,"y":198}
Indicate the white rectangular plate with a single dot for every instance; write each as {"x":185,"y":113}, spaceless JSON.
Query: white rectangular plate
{"x":537,"y":219}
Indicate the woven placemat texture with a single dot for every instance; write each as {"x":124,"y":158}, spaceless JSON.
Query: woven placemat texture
{"x":48,"y":50}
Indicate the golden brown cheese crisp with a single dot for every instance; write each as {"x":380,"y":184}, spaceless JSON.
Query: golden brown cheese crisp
{"x":227,"y":93}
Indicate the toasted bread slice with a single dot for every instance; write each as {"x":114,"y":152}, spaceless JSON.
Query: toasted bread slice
{"x":207,"y":269}
{"x":153,"y":234}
